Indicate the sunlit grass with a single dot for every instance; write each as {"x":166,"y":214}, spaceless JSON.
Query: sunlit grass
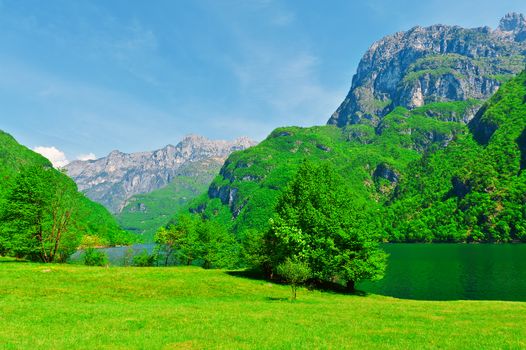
{"x":65,"y":306}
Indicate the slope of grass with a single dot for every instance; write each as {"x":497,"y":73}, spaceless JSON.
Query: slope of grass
{"x":65,"y":306}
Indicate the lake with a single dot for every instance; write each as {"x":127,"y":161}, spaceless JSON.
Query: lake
{"x":453,"y":271}
{"x":119,"y":256}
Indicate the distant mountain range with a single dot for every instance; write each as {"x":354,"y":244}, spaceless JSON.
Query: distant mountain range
{"x":114,"y":179}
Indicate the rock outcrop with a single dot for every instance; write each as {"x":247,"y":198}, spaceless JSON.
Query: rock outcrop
{"x":112,"y":180}
{"x":433,"y":64}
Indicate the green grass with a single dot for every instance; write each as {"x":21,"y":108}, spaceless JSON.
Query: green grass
{"x":66,"y":306}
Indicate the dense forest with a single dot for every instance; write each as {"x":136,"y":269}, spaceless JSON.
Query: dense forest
{"x":475,"y":188}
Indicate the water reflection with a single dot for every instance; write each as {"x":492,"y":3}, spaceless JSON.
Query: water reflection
{"x":453,"y":271}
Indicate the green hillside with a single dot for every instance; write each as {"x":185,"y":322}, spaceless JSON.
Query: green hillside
{"x":372,"y":160}
{"x":14,"y":156}
{"x":30,"y":177}
{"x":430,"y":177}
{"x":473,"y":190}
{"x":145,"y":213}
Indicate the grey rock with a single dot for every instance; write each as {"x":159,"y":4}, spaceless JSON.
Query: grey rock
{"x":114,"y":179}
{"x":385,"y":171}
{"x":433,"y":64}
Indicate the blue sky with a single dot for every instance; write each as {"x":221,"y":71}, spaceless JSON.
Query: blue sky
{"x":87,"y":77}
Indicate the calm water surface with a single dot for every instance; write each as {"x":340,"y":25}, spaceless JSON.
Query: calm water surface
{"x":117,"y":256}
{"x":453,"y":271}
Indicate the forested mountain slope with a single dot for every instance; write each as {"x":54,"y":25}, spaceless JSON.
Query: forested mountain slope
{"x":30,"y":185}
{"x":474,"y":189}
{"x":143,"y":214}
{"x":424,"y":178}
{"x":414,"y":161}
{"x":373,"y":160}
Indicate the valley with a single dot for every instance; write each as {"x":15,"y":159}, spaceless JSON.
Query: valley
{"x":399,"y":223}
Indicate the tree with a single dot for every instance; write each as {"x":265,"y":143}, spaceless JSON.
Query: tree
{"x":38,"y":217}
{"x":254,"y":252}
{"x":168,"y":240}
{"x":319,"y":221}
{"x":180,"y":239}
{"x":218,"y":247}
{"x":192,"y":238}
{"x":295,"y":273}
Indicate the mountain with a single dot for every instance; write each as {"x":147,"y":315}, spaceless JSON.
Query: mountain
{"x":433,"y":64}
{"x":373,"y":160}
{"x":91,"y":218}
{"x":386,"y":153}
{"x":114,"y":179}
{"x":144,"y":213}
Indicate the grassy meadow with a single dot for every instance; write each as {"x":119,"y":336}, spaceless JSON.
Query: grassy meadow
{"x":70,"y":306}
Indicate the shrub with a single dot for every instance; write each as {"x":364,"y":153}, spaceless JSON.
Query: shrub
{"x":94,"y":257}
{"x":143,"y":259}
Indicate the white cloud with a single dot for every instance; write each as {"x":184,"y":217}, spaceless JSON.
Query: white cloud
{"x":55,"y":156}
{"x":87,"y":156}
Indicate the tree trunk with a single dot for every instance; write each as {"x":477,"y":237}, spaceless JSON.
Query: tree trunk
{"x":350,"y":286}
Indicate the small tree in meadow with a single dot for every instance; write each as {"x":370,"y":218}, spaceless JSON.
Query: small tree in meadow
{"x":295,"y":272}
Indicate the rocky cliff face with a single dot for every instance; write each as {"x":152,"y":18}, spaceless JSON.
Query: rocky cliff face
{"x":114,"y":179}
{"x":433,"y":64}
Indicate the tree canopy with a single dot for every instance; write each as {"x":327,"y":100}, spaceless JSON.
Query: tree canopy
{"x":318,"y":221}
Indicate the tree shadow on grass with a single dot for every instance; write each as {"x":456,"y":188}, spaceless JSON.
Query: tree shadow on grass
{"x":12,"y":260}
{"x":310,"y":285}
{"x":277,"y":299}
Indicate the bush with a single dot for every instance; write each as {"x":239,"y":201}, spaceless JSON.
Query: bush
{"x":91,"y":241}
{"x":94,"y":257}
{"x":127,"y":259}
{"x":143,"y":259}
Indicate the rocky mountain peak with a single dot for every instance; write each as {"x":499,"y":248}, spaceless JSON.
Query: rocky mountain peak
{"x":439,"y":63}
{"x":193,"y":138}
{"x":512,"y":22}
{"x":115,"y":153}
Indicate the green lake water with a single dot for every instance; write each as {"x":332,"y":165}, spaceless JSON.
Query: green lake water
{"x":453,"y":272}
